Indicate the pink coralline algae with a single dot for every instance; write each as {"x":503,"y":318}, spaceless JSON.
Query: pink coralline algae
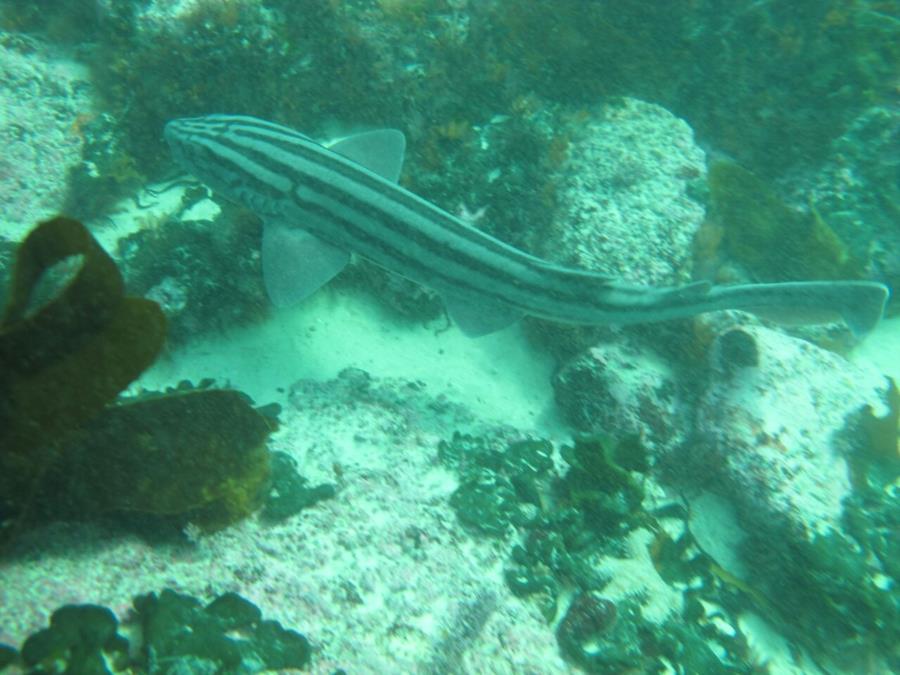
{"x":39,"y":134}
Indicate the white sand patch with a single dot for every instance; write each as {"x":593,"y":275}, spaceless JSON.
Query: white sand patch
{"x":637,"y":576}
{"x":499,"y":376}
{"x":881,"y":348}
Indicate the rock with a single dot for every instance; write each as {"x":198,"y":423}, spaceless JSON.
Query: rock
{"x":857,"y":187}
{"x":771,"y":420}
{"x":44,"y":104}
{"x":622,"y":389}
{"x":625,"y":193}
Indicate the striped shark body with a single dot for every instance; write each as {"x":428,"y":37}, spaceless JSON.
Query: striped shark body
{"x":320,"y":204}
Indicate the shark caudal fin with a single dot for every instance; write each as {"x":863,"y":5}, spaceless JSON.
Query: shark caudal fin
{"x":863,"y":306}
{"x":860,"y":304}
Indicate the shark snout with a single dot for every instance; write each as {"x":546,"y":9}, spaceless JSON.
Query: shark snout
{"x":176,"y":130}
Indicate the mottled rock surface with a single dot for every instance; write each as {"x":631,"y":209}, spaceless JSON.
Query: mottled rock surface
{"x":626,"y":208}
{"x":771,"y":419}
{"x":44,"y":100}
{"x":623,"y":389}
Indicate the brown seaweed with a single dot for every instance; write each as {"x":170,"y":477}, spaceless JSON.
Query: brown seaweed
{"x":66,"y":451}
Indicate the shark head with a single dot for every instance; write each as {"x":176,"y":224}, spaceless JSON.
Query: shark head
{"x":188,"y":140}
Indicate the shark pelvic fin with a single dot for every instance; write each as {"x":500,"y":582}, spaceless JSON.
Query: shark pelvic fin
{"x":479,"y":315}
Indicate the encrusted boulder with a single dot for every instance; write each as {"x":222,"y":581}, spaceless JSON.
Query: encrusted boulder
{"x":624,"y":389}
{"x":774,"y":426}
{"x":626,"y":189}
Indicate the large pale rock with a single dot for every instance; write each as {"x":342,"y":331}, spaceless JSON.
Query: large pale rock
{"x":623,"y":389}
{"x":772,"y":419}
{"x":626,"y":203}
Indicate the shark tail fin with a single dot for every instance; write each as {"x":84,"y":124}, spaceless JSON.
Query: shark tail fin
{"x":863,"y":309}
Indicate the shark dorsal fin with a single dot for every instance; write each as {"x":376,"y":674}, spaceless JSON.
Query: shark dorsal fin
{"x":380,"y":151}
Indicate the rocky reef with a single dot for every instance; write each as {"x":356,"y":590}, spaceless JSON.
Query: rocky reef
{"x":708,"y":476}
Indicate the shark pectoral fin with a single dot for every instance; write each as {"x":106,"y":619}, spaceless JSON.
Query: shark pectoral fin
{"x":296,"y":264}
{"x":380,"y":151}
{"x":478,"y":315}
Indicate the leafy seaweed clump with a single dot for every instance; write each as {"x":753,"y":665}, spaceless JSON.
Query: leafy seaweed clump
{"x":227,"y":635}
{"x":589,"y":509}
{"x":772,"y":241}
{"x":65,"y":450}
{"x":600,"y":485}
{"x":504,"y":487}
{"x":499,"y":487}
{"x":83,"y":637}
{"x":289,"y":494}
{"x":564,"y":525}
{"x":173,"y":633}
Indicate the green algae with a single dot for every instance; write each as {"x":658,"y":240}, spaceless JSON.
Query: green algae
{"x":226,"y":636}
{"x":83,"y":637}
{"x":166,"y":633}
{"x":290,"y":494}
{"x":598,"y":486}
{"x":577,"y":519}
{"x":770,"y":240}
{"x":499,"y":486}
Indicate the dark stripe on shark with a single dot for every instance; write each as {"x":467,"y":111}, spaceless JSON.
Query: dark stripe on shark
{"x":428,"y":274}
{"x":297,"y":145}
{"x":552,"y":283}
{"x":357,"y":235}
{"x":294,"y":143}
{"x":541,"y":301}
